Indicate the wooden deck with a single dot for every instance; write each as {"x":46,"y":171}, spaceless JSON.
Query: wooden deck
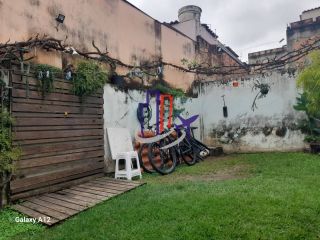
{"x":51,"y":208}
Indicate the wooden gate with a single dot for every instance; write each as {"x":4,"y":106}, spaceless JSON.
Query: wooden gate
{"x":61,"y":138}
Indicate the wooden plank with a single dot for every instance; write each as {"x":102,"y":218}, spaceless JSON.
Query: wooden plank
{"x":58,"y":103}
{"x":55,"y":103}
{"x":60,"y":146}
{"x":88,"y":190}
{"x":49,"y":128}
{"x":37,"y":181}
{"x":59,"y":202}
{"x":70,"y":199}
{"x":51,"y":185}
{"x":112,"y":185}
{"x":34,"y":88}
{"x":57,"y":121}
{"x":59,"y":84}
{"x":105,"y":189}
{"x":65,"y":203}
{"x":23,"y":143}
{"x":54,"y":115}
{"x":52,"y":206}
{"x":41,"y":108}
{"x":85,"y":194}
{"x":80,"y":197}
{"x":119,"y":181}
{"x":35,"y":162}
{"x":54,"y":187}
{"x":21,"y":93}
{"x":29,"y":172}
{"x":98,"y":188}
{"x":34,"y":214}
{"x":57,"y":134}
{"x":55,"y":147}
{"x":45,"y":210}
{"x":87,"y":148}
{"x":130,"y":182}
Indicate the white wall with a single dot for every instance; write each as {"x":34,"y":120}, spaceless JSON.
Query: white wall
{"x":243,"y":131}
{"x":274,"y":112}
{"x":188,"y":28}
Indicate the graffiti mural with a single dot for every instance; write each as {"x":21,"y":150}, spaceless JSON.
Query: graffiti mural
{"x":164,"y":119}
{"x":167,"y":142}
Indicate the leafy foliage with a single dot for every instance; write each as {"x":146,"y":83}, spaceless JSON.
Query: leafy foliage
{"x":8,"y":153}
{"x":311,"y":125}
{"x":89,"y":78}
{"x":302,"y":102}
{"x":2,"y":83}
{"x":45,"y":75}
{"x":309,"y":80}
{"x":309,"y":101}
{"x":190,"y":64}
{"x":176,"y":92}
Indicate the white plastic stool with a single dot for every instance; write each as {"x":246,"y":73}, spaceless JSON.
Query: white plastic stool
{"x":121,"y":148}
{"x":129,"y":171}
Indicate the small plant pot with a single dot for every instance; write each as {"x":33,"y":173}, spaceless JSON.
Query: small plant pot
{"x":315,"y":147}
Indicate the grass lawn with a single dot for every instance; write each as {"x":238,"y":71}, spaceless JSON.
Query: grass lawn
{"x":249,"y":196}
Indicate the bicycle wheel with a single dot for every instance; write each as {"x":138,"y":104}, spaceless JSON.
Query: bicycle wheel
{"x":188,"y":152}
{"x":202,"y":150}
{"x":143,"y":154}
{"x":164,"y":161}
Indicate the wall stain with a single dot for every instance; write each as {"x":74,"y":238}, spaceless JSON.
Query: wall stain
{"x":35,"y":2}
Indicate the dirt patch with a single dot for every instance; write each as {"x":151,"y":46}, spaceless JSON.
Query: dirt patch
{"x":212,"y":169}
{"x":234,"y":172}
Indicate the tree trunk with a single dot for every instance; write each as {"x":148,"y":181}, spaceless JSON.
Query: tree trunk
{"x":1,"y":189}
{"x":4,"y":197}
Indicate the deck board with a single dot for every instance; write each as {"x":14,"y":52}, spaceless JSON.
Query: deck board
{"x":62,"y":204}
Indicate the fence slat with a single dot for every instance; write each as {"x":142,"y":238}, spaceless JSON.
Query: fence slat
{"x":60,"y":135}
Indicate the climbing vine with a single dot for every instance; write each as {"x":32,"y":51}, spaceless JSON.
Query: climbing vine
{"x":8,"y":153}
{"x":176,"y":92}
{"x":263,"y":90}
{"x":45,"y":75}
{"x":88,"y":78}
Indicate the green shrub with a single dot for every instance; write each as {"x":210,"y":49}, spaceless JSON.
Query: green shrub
{"x":45,"y":75}
{"x":8,"y":153}
{"x":309,"y":81}
{"x":89,"y":78}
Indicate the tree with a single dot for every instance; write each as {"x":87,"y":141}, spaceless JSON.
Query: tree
{"x":309,"y":81}
{"x":309,"y":100}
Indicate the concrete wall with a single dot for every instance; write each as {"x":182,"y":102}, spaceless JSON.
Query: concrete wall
{"x":120,"y":110}
{"x":271,"y":127}
{"x":314,"y":13}
{"x":182,"y":47}
{"x":188,"y":28}
{"x":207,"y":36}
{"x":130,"y":35}
{"x":298,"y":33}
{"x":266,"y":55}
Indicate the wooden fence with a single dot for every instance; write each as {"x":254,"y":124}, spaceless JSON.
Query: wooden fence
{"x":1,"y":191}
{"x":61,"y":138}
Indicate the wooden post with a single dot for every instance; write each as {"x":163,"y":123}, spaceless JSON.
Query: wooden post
{"x":4,"y":189}
{"x":1,"y":181}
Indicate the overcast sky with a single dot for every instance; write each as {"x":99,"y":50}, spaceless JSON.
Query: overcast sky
{"x":244,"y":25}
